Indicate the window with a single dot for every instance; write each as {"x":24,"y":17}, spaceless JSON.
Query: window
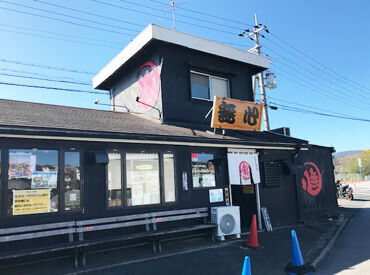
{"x":32,"y":181}
{"x":72,"y":181}
{"x":169,"y":178}
{"x":114,"y":179}
{"x":204,"y":86}
{"x":203,"y":170}
{"x":142,"y":171}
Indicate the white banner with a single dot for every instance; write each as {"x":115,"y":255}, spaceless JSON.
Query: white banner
{"x":242,"y":167}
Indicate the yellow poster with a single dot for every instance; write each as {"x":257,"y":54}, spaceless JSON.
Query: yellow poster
{"x":31,"y":201}
{"x":229,"y":113}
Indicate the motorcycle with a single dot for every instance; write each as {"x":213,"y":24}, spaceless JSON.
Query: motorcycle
{"x":344,"y":191}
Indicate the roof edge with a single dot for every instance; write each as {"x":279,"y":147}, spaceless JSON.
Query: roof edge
{"x":123,"y":56}
{"x":155,"y":32}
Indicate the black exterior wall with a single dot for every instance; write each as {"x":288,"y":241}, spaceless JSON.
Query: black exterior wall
{"x":316,"y":184}
{"x":177,"y":62}
{"x":94,"y":180}
{"x":280,"y":200}
{"x":175,"y":81}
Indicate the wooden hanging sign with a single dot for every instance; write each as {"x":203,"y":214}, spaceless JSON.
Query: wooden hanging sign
{"x":229,"y":113}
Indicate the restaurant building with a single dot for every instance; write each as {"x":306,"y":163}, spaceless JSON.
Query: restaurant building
{"x":155,"y":149}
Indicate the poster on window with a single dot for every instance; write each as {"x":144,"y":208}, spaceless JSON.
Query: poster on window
{"x":31,"y":201}
{"x":43,"y":180}
{"x":208,"y":180}
{"x":243,"y":168}
{"x":216,"y":195}
{"x":20,"y":165}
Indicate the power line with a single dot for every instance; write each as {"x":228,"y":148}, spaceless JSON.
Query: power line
{"x":57,"y":38}
{"x":58,"y":33}
{"x":46,"y":79}
{"x":180,"y":15}
{"x":318,"y":91}
{"x":206,"y":14}
{"x":90,"y":13}
{"x":311,"y":73}
{"x":70,"y":16}
{"x":38,"y":74}
{"x":294,"y":109}
{"x":52,"y":88}
{"x":300,"y":104}
{"x":155,"y":15}
{"x":335,"y":91}
{"x":313,"y":65}
{"x":46,"y":66}
{"x":328,"y":68}
{"x":65,"y":21}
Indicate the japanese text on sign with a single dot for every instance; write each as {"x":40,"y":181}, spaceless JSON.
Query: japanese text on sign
{"x":235,"y":114}
{"x":31,"y":201}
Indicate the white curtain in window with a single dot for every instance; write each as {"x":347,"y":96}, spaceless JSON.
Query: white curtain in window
{"x":220,"y":87}
{"x":142,"y":170}
{"x":114,"y":171}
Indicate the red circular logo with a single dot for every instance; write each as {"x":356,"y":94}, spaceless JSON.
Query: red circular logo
{"x":311,"y":180}
{"x":149,"y":78}
{"x":244,"y":170}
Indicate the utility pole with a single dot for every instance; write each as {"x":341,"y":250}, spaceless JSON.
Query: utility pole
{"x":257,"y":49}
{"x":253,"y":35}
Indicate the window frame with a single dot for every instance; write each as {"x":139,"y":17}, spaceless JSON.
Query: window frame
{"x":81,"y":163}
{"x":123,"y":158}
{"x":59,"y":177}
{"x":124,"y":204}
{"x":162,"y":153}
{"x":210,"y":76}
{"x":61,"y":184}
{"x":191,"y":171}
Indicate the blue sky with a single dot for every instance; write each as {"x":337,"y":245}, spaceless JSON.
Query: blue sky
{"x":333,"y":33}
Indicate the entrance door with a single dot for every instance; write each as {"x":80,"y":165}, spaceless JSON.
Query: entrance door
{"x":247,"y":203}
{"x":243,"y":191}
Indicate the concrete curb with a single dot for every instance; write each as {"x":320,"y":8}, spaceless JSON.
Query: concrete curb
{"x":332,"y":241}
{"x":330,"y":244}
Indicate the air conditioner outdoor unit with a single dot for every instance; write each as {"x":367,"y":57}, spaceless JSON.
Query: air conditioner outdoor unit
{"x":227,"y":219}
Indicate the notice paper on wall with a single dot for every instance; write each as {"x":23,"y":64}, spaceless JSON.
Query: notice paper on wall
{"x":208,"y":180}
{"x":243,"y":168}
{"x":31,"y":201}
{"x":216,"y":195}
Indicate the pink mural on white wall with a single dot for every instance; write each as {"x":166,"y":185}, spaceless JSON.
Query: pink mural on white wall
{"x":149,"y":80}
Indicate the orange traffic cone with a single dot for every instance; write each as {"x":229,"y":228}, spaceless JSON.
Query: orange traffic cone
{"x":253,"y":239}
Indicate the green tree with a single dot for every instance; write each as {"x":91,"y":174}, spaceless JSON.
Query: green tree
{"x":365,"y":161}
{"x":352,"y":166}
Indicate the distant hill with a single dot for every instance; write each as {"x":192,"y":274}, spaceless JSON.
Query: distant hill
{"x":346,"y":161}
{"x":339,"y":155}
